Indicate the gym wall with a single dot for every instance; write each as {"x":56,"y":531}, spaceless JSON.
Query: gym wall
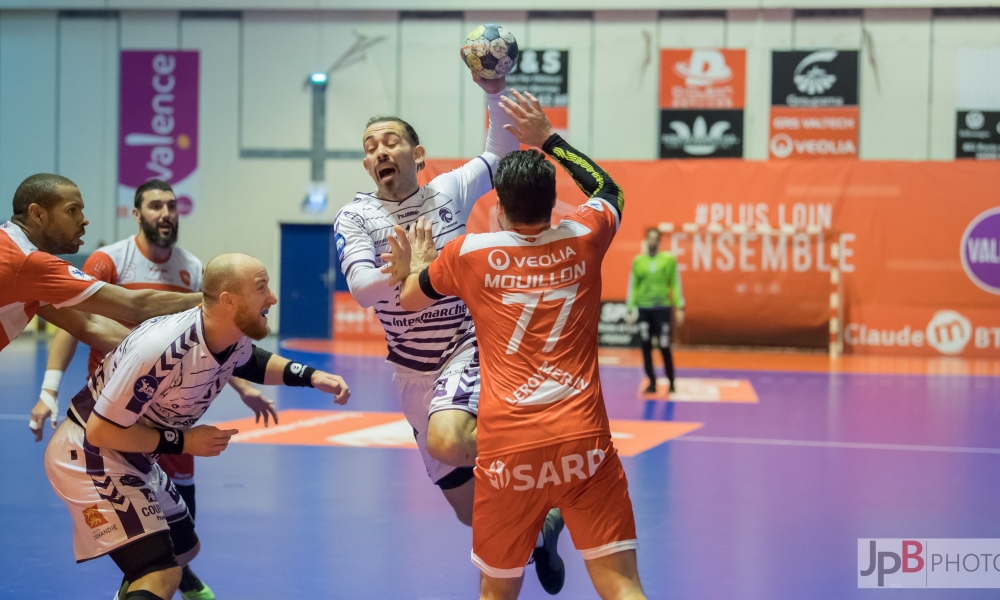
{"x":59,"y":92}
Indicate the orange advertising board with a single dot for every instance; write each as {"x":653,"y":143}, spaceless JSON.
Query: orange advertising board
{"x":713,"y":78}
{"x":813,"y":132}
{"x":902,"y":230}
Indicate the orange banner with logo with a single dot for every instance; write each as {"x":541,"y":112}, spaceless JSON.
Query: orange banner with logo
{"x":917,"y":242}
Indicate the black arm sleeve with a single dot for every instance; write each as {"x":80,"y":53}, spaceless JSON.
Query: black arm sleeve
{"x":255,"y":368}
{"x":589,"y":177}
{"x":425,"y":286}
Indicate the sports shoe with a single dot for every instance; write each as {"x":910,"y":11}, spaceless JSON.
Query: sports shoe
{"x":651,"y":389}
{"x":548,"y":564}
{"x":205,"y":593}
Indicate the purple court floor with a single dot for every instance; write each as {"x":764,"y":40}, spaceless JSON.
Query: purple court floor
{"x":765,"y":500}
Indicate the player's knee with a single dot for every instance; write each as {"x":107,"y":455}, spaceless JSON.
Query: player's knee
{"x":185,"y":540}
{"x":451,"y":437}
{"x":150,"y":557}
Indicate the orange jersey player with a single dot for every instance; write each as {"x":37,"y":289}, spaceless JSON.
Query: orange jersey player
{"x":534,"y":294}
{"x":48,"y":219}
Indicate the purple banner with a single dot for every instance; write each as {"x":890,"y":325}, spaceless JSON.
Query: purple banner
{"x":158,"y":124}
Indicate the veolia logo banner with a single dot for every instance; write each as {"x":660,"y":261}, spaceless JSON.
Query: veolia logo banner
{"x":158,"y":124}
{"x":814,"y":98}
{"x":702,"y":94}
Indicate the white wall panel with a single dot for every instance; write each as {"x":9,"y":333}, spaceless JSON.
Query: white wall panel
{"x":894,"y":86}
{"x":363,"y":88}
{"x":88,"y":119}
{"x":840,"y":33}
{"x":626,"y":58}
{"x":280,"y":51}
{"x":28,"y":120}
{"x":430,"y":82}
{"x":574,"y":35}
{"x":949,"y":34}
{"x":150,"y":30}
{"x":692,"y":33}
{"x":760,"y":32}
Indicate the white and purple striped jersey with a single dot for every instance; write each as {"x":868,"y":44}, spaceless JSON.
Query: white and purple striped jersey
{"x":162,"y":373}
{"x":419,"y":340}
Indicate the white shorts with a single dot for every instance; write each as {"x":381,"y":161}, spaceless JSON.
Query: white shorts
{"x":112,"y":503}
{"x":454,"y":387}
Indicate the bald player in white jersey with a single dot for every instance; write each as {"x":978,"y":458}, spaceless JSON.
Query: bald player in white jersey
{"x":434,"y":351}
{"x":144,"y":401}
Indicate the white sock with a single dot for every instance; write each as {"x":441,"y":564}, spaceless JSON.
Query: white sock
{"x":541,"y":540}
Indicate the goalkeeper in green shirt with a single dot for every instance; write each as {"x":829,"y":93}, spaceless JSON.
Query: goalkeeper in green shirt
{"x":654,"y":287}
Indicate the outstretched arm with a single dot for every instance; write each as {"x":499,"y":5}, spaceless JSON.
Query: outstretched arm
{"x":135,"y":306}
{"x":412,"y":253}
{"x":270,"y":369}
{"x":95,"y":331}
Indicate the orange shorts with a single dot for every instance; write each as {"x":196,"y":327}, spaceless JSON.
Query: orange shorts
{"x":178,"y":467}
{"x":583,"y":478}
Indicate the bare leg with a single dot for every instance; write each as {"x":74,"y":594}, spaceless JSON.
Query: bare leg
{"x":162,"y":583}
{"x":451,"y":437}
{"x":499,"y":589}
{"x":461,"y":498}
{"x":616,"y":576}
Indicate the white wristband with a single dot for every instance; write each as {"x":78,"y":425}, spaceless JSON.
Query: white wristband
{"x":52,"y":379}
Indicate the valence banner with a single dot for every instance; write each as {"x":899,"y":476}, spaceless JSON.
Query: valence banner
{"x":702,"y":94}
{"x":814,"y":104}
{"x":919,"y":249}
{"x":158,"y":124}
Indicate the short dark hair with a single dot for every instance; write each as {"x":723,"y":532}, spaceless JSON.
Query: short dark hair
{"x":40,"y":189}
{"x":526,"y":185}
{"x":152,"y":184}
{"x":655,"y":230}
{"x":411,"y":133}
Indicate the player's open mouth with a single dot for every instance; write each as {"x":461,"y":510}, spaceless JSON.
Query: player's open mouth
{"x":385,"y":172}
{"x":263,"y":313}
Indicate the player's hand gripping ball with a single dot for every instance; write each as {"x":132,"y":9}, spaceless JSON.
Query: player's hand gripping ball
{"x":490,"y":51}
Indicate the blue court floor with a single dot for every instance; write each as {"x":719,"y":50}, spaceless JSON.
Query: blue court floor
{"x":765,"y":501}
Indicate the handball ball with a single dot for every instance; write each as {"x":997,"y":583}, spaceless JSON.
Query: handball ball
{"x":490,"y":51}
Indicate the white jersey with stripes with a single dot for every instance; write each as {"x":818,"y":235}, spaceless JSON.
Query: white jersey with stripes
{"x":419,"y":340}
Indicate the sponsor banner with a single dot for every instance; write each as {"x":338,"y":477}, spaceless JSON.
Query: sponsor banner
{"x":929,"y":563}
{"x":977,"y":134}
{"x":813,"y":133}
{"x":158,"y":124}
{"x":907,"y":331}
{"x":612,"y":329}
{"x":981,"y":251}
{"x":701,"y":134}
{"x":544,"y":73}
{"x":814,"y":79}
{"x":354,"y":323}
{"x":900,"y":245}
{"x":710,"y":78}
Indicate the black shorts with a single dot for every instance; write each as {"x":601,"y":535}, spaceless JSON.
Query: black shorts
{"x":654,"y":324}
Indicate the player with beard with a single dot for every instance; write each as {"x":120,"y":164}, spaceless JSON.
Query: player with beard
{"x":144,"y":401}
{"x":48,"y":219}
{"x":149,"y":260}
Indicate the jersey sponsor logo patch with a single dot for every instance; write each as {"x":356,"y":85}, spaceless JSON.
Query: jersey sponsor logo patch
{"x":445,"y":215}
{"x":572,"y":466}
{"x":78,"y":274}
{"x":356,"y":218}
{"x":341,"y":243}
{"x":498,"y":475}
{"x":94,"y":517}
{"x":499,"y":260}
{"x":130,"y":481}
{"x":186,"y":277}
{"x":145,"y":388}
